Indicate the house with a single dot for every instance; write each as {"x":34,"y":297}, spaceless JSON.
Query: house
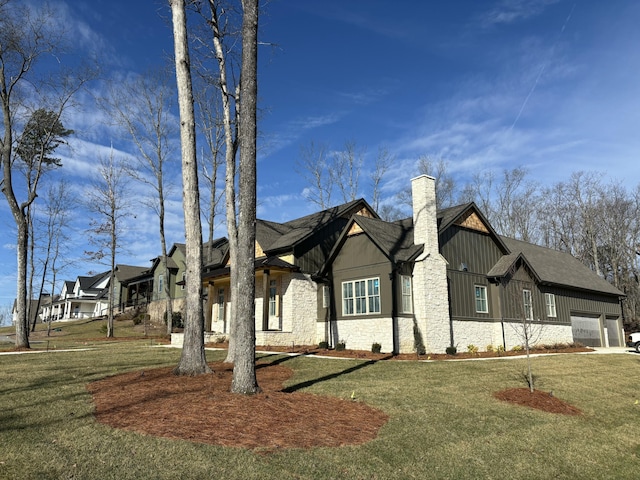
{"x":426,"y":283}
{"x":389,"y":282}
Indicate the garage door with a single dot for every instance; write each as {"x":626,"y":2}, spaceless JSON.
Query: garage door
{"x":586,"y":330}
{"x":613,"y":332}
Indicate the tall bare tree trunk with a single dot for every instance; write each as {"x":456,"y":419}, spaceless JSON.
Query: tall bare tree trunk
{"x":244,"y":371}
{"x":193,"y":360}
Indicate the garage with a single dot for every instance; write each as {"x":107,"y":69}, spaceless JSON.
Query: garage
{"x":586,"y":329}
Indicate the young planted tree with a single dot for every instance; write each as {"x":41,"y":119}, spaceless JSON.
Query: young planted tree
{"x":192,"y":360}
{"x":108,"y":199}
{"x":141,"y":107}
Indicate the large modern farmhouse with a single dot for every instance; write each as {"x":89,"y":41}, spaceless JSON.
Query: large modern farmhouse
{"x":437,"y":279}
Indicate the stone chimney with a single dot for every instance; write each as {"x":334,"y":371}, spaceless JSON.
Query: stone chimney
{"x":425,"y":223}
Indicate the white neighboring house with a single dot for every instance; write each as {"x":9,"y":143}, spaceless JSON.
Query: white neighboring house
{"x":85,"y":298}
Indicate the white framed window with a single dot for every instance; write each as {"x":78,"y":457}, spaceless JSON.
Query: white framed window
{"x":528,"y":304}
{"x":273,"y":292}
{"x":220,"y":304}
{"x":160,"y":283}
{"x":325,"y":297}
{"x":481,"y":299}
{"x":361,"y":297}
{"x":550,"y":301}
{"x":407,"y":299}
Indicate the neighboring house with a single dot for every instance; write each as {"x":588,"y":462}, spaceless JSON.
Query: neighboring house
{"x":32,"y":306}
{"x":435,"y":280}
{"x":133,"y":286}
{"x":88,"y":297}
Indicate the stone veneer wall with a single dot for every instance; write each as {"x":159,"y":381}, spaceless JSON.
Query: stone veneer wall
{"x":361,"y":333}
{"x":156,"y":309}
{"x":482,"y":334}
{"x":299,"y":310}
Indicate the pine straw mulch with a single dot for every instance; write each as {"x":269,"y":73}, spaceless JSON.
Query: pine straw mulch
{"x":202,"y":409}
{"x":539,"y":400}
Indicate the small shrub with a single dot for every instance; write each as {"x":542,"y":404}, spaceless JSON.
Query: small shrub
{"x":323,"y":345}
{"x":472,"y":349}
{"x":500,"y":349}
{"x":103,"y":329}
{"x":138,"y":320}
{"x":517,"y":348}
{"x":341,"y":346}
{"x":451,"y":350}
{"x":376,"y":347}
{"x":489,"y":348}
{"x":176,"y":318}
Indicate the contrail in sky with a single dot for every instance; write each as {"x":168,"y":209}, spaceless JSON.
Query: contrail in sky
{"x":544,"y":66}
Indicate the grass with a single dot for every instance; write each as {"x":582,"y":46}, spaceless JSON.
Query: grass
{"x":444,"y":423}
{"x":83,"y":333}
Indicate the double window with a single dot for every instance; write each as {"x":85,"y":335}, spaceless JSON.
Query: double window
{"x":550,"y":301}
{"x":361,"y":297}
{"x":481,"y":299}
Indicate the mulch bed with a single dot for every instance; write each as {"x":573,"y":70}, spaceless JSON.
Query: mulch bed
{"x":201,"y":409}
{"x":539,"y":400}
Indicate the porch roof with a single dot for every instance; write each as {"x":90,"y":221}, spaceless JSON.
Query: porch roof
{"x":262,"y":263}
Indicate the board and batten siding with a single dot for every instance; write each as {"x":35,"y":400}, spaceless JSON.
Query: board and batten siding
{"x":360,"y":258}
{"x":312,"y":253}
{"x":477,"y":250}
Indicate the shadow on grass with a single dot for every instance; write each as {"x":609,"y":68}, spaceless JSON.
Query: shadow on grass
{"x":308,"y":383}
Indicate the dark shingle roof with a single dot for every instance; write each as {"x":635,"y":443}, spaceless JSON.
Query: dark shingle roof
{"x":394,"y":239}
{"x":127,"y":272}
{"x":273,"y":236}
{"x":558,"y":268}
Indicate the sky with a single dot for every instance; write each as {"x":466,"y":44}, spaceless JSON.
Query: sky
{"x":549,"y":85}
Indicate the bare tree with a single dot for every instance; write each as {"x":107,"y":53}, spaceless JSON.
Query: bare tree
{"x":384,"y":161}
{"x":107,"y":198}
{"x":27,"y":34}
{"x":345,"y":170}
{"x":314,"y":168}
{"x":193,"y":360}
{"x":446,"y":187}
{"x":222,"y":28}
{"x":209,"y":121}
{"x":141,"y":107}
{"x":244,"y":370}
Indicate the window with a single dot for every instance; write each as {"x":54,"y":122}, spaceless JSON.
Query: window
{"x":361,"y":297}
{"x":160,"y":283}
{"x":481,"y":299}
{"x":550,"y":300}
{"x":528,"y":305}
{"x":325,"y":297}
{"x":273,"y":289}
{"x":407,"y":303}
{"x":221,"y":304}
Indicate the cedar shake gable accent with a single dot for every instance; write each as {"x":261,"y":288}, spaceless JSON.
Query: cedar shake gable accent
{"x":468,"y":216}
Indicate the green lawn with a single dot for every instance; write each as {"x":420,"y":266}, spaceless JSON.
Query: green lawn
{"x":444,"y":423}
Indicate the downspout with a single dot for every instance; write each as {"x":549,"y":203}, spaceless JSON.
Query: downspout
{"x":394,"y":310}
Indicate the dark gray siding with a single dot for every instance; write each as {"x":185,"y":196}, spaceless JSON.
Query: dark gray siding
{"x":477,"y":250}
{"x":462,"y":295}
{"x":313,"y":252}
{"x":359,"y":258}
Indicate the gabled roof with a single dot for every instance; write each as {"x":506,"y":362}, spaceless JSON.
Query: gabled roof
{"x":558,"y":268}
{"x":124,"y":273}
{"x":454,"y":215}
{"x":277,"y":237}
{"x":394,"y":239}
{"x":89,"y":283}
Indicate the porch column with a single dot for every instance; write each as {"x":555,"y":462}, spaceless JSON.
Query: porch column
{"x":265,"y":300}
{"x":209,"y":309}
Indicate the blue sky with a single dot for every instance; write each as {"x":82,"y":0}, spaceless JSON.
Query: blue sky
{"x":546,"y":84}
